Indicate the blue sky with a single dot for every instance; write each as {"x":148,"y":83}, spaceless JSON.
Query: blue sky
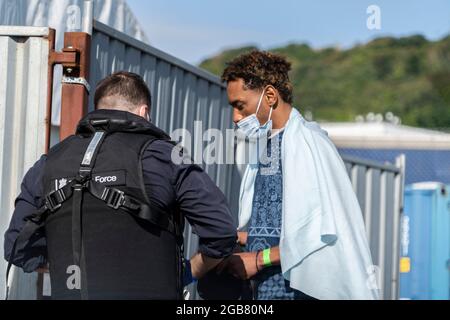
{"x":195,"y":29}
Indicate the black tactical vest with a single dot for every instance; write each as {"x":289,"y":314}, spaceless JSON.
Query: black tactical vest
{"x":105,"y":240}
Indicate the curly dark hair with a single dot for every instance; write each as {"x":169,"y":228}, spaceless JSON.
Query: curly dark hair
{"x":259,"y":69}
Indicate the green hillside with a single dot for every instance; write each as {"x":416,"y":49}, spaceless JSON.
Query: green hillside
{"x":408,"y":76}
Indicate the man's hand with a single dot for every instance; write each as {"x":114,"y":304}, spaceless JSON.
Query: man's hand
{"x":242,"y":238}
{"x":201,"y":264}
{"x":241,"y":265}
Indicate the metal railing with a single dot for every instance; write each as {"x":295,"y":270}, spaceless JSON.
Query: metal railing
{"x":379,"y":189}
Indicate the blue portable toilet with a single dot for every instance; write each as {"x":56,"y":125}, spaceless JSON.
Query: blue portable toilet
{"x":425,"y":242}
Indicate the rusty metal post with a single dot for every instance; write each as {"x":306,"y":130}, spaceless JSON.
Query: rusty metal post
{"x":75,"y":88}
{"x":48,"y":116}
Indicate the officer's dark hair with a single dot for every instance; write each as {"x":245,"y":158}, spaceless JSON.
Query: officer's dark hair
{"x":122,"y":90}
{"x":259,"y":69}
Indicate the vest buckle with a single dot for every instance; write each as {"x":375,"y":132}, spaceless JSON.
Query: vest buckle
{"x":54,"y":200}
{"x":114,"y":198}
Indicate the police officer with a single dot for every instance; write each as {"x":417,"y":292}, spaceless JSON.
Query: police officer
{"x":105,"y":208}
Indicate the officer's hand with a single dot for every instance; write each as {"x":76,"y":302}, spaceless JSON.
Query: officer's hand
{"x":201,"y":264}
{"x":242,"y":265}
{"x":223,"y":265}
{"x":188,"y":278}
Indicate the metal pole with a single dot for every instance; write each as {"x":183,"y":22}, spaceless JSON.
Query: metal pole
{"x":355,"y":169}
{"x":51,"y":65}
{"x":382,"y":233}
{"x":368,"y":204}
{"x":398,"y":212}
{"x":88,"y":16}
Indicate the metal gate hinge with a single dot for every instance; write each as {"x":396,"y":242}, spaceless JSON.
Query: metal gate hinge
{"x":77,"y":80}
{"x":68,"y":57}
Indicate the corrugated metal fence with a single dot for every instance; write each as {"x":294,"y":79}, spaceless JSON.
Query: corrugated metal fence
{"x":379,"y":188}
{"x":181,"y":93}
{"x":23,"y":102}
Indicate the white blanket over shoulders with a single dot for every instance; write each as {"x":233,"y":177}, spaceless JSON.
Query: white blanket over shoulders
{"x":323,"y":246}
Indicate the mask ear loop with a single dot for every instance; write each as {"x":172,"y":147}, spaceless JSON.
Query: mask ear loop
{"x":270,"y":114}
{"x":259,"y":106}
{"x":260,"y":100}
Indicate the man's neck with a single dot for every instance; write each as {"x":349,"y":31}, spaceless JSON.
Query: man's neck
{"x":282,"y":116}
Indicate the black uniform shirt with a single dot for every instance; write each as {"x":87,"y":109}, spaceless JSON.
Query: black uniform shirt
{"x":186,"y":186}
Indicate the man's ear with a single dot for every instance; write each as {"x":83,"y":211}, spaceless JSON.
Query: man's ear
{"x":271,"y":96}
{"x":144,"y":111}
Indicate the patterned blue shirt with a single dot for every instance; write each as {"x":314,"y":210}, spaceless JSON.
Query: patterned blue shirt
{"x":265,"y":223}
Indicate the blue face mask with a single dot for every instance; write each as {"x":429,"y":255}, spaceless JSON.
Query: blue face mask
{"x":251,"y":127}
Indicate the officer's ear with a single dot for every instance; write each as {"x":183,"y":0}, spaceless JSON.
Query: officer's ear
{"x":144,"y":112}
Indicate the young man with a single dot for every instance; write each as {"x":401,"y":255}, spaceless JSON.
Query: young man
{"x":299,"y":217}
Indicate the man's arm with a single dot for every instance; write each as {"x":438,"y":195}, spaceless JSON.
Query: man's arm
{"x":205,"y":208}
{"x":26,"y":204}
{"x":198,"y":199}
{"x":274,"y":258}
{"x":202,"y":264}
{"x":244,"y":265}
